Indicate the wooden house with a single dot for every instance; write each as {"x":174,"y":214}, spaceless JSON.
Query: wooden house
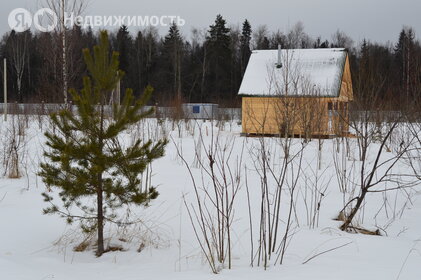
{"x":299,"y":92}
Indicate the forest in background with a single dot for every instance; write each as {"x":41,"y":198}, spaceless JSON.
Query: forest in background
{"x":206,"y":67}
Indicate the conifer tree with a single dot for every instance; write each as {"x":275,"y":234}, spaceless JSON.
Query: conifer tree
{"x":219,"y":57}
{"x":124,"y":46}
{"x":403,"y":53}
{"x":364,"y":58}
{"x":172,"y":54}
{"x":87,"y":159}
{"x":245,"y":50}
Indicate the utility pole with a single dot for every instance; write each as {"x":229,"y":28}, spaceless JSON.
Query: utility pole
{"x":64,"y":69}
{"x":5,"y":90}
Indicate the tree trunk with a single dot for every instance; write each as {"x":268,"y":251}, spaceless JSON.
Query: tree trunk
{"x":64,"y":66}
{"x":354,"y":211}
{"x":202,"y":84}
{"x":100,"y":218}
{"x":179,"y":77}
{"x":100,"y":212}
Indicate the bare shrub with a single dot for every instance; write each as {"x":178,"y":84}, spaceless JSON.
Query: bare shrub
{"x":278,"y":163}
{"x":215,"y":189}
{"x":382,"y":146}
{"x":14,"y":146}
{"x":314,"y":191}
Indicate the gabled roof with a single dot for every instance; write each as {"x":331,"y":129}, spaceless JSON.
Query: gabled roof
{"x":304,"y":72}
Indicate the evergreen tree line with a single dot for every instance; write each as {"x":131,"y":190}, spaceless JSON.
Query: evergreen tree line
{"x":206,"y":67}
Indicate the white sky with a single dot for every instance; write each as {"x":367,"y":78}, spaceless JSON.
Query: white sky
{"x":377,"y":20}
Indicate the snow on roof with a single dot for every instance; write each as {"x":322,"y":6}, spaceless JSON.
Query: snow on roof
{"x":304,"y":72}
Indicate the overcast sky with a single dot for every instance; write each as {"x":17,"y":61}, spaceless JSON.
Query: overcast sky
{"x":377,"y":20}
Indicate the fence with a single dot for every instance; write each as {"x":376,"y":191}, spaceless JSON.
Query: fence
{"x":228,"y":114}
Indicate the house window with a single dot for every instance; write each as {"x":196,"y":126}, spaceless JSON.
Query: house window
{"x":196,"y":109}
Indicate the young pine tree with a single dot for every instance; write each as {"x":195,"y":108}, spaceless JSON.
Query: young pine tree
{"x":87,"y":160}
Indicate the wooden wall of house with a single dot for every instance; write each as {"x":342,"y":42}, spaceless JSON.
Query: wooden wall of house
{"x":274,"y":115}
{"x":304,"y":117}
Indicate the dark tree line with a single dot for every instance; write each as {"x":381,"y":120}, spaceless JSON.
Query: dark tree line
{"x":395,"y":69}
{"x":207,"y":67}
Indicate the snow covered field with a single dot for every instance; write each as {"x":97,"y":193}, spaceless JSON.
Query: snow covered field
{"x":35,"y":246}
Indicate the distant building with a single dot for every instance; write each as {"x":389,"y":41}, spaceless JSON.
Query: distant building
{"x":299,"y":92}
{"x":204,"y":111}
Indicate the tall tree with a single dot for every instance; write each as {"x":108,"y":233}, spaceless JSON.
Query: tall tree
{"x":318,"y":44}
{"x":260,"y":38}
{"x":219,"y":58}
{"x":138,"y":62}
{"x":147,"y":54}
{"x":195,"y":69}
{"x":297,"y":38}
{"x":341,"y":40}
{"x":76,"y":67}
{"x":277,"y":38}
{"x":60,"y":8}
{"x":235,"y":65}
{"x":364,"y":58}
{"x":18,"y":54}
{"x":87,"y":159}
{"x":124,"y":46}
{"x":404,"y":60}
{"x":245,"y":50}
{"x":173,"y":53}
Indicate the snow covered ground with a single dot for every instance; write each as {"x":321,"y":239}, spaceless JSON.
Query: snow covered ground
{"x":36,"y":246}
